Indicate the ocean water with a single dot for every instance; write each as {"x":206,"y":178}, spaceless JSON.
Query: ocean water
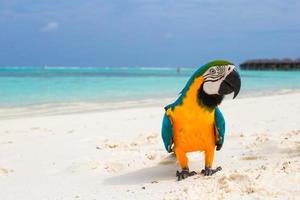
{"x":24,"y":86}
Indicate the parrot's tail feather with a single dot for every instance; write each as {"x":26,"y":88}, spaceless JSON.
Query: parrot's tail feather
{"x":170,"y":159}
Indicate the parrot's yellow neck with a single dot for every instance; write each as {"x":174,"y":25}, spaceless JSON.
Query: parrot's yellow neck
{"x":190,"y":105}
{"x":190,"y":101}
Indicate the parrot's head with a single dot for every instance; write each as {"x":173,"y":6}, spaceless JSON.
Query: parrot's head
{"x":219,"y":79}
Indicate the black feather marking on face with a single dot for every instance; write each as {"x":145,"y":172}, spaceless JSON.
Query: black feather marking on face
{"x":210,"y":101}
{"x":213,"y":80}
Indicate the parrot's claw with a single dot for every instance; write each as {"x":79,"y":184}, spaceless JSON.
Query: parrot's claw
{"x":209,"y":171}
{"x":184,"y":174}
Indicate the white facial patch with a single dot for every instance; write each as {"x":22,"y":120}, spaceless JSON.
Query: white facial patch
{"x":214,"y":76}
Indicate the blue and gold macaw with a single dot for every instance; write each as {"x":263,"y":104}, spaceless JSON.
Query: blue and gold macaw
{"x":194,"y":122}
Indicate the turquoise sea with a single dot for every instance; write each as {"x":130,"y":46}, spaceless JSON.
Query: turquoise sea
{"x":24,"y":86}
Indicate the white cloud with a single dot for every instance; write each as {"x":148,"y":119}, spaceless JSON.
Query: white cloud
{"x":51,"y":26}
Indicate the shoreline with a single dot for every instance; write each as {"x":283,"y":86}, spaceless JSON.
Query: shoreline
{"x":65,"y":108}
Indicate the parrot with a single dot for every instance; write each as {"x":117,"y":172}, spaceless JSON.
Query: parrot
{"x":194,"y":121}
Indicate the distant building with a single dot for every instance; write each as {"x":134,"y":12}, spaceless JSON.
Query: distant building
{"x":271,"y":64}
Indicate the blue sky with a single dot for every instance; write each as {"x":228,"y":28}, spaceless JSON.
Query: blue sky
{"x":146,"y":32}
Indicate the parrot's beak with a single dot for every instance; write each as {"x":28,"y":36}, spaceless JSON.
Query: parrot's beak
{"x":232,"y":83}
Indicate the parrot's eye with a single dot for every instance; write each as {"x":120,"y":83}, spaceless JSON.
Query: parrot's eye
{"x":212,"y":71}
{"x":229,"y":68}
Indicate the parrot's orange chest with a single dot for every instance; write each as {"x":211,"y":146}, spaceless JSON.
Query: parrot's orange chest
{"x":193,"y":125}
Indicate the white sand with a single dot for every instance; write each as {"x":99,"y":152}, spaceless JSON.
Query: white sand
{"x":119,"y":155}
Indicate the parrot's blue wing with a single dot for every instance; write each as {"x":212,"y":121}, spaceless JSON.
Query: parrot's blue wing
{"x":220,"y":128}
{"x":167,"y":133}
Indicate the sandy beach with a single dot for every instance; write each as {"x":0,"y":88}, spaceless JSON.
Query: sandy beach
{"x":119,"y":154}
